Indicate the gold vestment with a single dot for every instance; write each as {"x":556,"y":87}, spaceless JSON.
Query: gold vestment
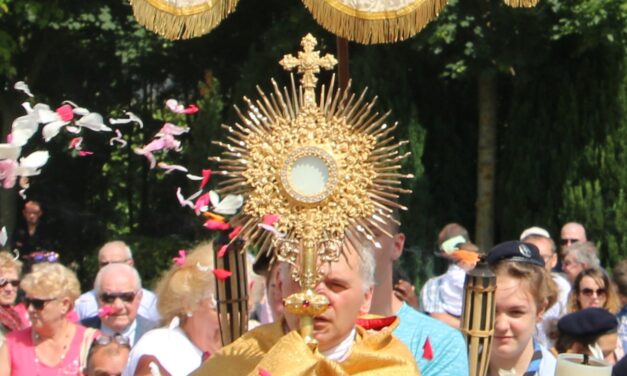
{"x":267,"y":348}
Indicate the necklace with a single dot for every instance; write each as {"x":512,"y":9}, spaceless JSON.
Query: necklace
{"x":64,"y":343}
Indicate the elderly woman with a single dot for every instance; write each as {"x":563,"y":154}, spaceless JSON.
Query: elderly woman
{"x":579,"y":257}
{"x":53,"y":345}
{"x":593,"y":288}
{"x":10,"y":318}
{"x":186,"y":300}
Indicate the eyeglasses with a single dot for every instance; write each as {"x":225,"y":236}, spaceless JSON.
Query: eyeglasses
{"x":589,"y":292}
{"x":38,"y":304}
{"x":13,"y":282}
{"x":109,"y":297}
{"x":568,"y":241}
{"x":103,"y":340}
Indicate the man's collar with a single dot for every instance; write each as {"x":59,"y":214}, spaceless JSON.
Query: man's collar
{"x":127,"y":333}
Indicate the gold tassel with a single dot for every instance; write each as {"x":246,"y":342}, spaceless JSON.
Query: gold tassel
{"x":175,"y":22}
{"x":521,"y":3}
{"x":374,"y":28}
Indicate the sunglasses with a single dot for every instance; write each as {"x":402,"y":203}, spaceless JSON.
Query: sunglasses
{"x":118,"y":338}
{"x":110,"y":297}
{"x":568,"y":241}
{"x":38,"y":304}
{"x":13,"y":282}
{"x":589,"y":292}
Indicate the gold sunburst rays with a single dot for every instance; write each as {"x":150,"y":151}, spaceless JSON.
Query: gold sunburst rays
{"x":327,"y":165}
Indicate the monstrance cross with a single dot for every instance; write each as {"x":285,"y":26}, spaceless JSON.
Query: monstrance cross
{"x":309,"y":63}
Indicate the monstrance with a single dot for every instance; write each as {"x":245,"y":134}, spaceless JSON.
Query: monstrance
{"x":327,"y":167}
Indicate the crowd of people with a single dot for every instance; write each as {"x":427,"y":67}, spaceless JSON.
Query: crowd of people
{"x":548,"y":301}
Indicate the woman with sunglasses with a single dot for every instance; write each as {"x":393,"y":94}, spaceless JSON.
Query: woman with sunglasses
{"x":593,"y":288}
{"x":186,"y":302}
{"x":11,"y":317}
{"x":53,"y":345}
{"x":524,"y":289}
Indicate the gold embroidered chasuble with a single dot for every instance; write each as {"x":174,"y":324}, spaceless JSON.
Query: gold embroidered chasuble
{"x":266,"y":348}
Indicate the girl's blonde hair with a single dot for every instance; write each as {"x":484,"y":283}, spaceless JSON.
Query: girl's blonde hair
{"x":539,"y":280}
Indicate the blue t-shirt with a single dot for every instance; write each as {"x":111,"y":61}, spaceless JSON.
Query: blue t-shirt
{"x":447,"y":344}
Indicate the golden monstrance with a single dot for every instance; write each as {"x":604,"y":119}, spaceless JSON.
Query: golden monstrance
{"x":324,"y":164}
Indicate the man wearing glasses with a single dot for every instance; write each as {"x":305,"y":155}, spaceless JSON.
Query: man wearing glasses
{"x":571,"y":233}
{"x":108,"y":356}
{"x":118,"y":289}
{"x":115,"y":252}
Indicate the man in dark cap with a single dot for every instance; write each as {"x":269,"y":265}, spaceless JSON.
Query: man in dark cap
{"x":591,"y":331}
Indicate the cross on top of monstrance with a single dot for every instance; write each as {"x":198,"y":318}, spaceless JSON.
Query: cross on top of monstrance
{"x":309,"y":63}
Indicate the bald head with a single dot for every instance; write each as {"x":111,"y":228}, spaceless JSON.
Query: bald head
{"x":572,"y":232}
{"x":116,"y":272}
{"x":115,"y":252}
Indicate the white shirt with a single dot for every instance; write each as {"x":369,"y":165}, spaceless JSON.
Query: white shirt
{"x":128,"y":333}
{"x":175,"y":352}
{"x":87,"y":306}
{"x":554,"y":312}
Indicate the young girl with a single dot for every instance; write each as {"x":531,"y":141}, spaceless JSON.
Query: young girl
{"x":524,"y":289}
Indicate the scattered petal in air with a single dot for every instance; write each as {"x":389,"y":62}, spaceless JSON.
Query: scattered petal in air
{"x":84,"y":153}
{"x":29,"y":166}
{"x":174,"y":323}
{"x":174,"y":106}
{"x":52,"y":129}
{"x":427,"y":350}
{"x":206,"y":175}
{"x":118,"y":138}
{"x":211,"y":215}
{"x":182,"y":200}
{"x":76,"y":143}
{"x":194,"y":177}
{"x":221,"y":274}
{"x":202,"y":268}
{"x":202,"y":204}
{"x":9,"y":151}
{"x":263,"y":372}
{"x":223,"y":250}
{"x":65,"y":112}
{"x":81,"y":111}
{"x":154,"y":369}
{"x":21,"y":86}
{"x":22,"y":193}
{"x":180,"y":259}
{"x":132,"y":118}
{"x":172,"y":130}
{"x":169,"y":168}
{"x":233,"y":234}
{"x":93,"y":121}
{"x":216,"y":225}
{"x":3,"y":236}
{"x":16,"y":254}
{"x":270,"y":219}
{"x":228,"y":206}
{"x":105,"y":311}
{"x":8,"y":173}
{"x":273,"y":230}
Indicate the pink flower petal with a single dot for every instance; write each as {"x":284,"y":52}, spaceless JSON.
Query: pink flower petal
{"x":105,"y":311}
{"x":191,"y":109}
{"x":213,"y":224}
{"x":235,"y":232}
{"x":65,"y":112}
{"x":206,"y":175}
{"x":75,"y":143}
{"x":223,"y":250}
{"x":180,"y":259}
{"x":202,"y":203}
{"x":263,"y":372}
{"x":221,"y":274}
{"x":270,"y":219}
{"x":84,"y":153}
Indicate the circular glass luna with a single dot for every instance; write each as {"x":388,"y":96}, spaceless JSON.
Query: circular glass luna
{"x":309,"y":175}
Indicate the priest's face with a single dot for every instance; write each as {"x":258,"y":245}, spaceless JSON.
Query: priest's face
{"x":343,"y":285}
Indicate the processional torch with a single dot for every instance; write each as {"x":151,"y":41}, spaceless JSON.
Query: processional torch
{"x":478,"y":316}
{"x":320,"y":174}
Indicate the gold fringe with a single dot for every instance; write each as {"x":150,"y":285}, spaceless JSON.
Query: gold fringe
{"x":379,"y":27}
{"x":521,"y":3}
{"x":181,"y":23}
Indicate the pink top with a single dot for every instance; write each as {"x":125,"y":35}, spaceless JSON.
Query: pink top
{"x":24,"y":359}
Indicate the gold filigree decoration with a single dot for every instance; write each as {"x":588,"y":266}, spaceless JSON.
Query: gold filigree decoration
{"x":354,"y":146}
